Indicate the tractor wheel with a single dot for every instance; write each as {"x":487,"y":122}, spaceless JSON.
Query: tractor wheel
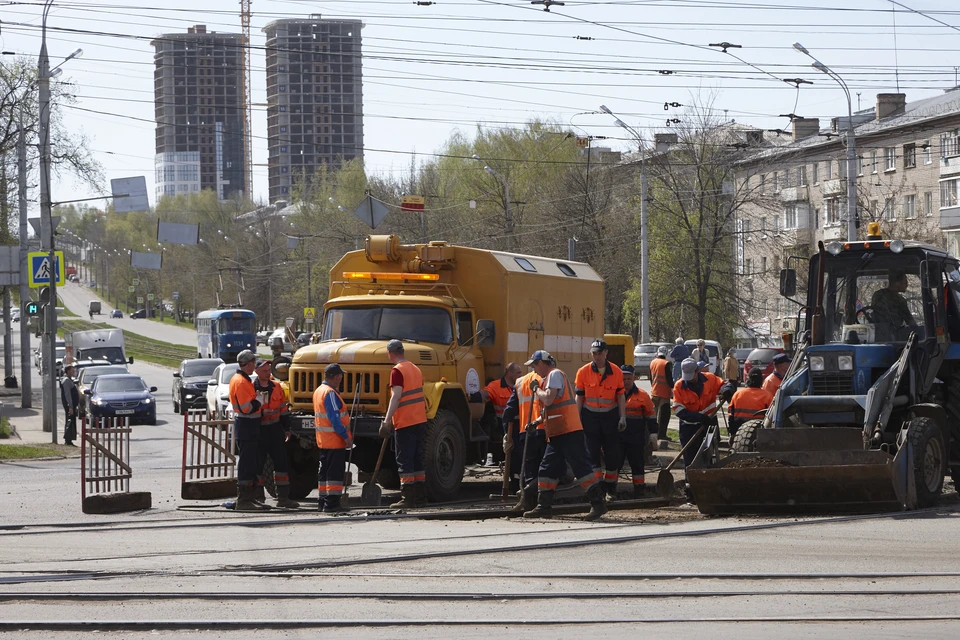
{"x":929,"y":460}
{"x":745,"y":439}
{"x":444,"y":451}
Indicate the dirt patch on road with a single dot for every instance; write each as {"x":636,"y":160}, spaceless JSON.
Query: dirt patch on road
{"x":756,"y":463}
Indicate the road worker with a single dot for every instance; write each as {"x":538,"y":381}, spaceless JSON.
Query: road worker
{"x":246,"y":429}
{"x":680,"y":352}
{"x":406,"y":419}
{"x":603,"y":414}
{"x":641,"y":433}
{"x":565,"y":441}
{"x":781,"y":362}
{"x":497,"y":393}
{"x":274,"y":431}
{"x":523,"y":408}
{"x":661,"y":388}
{"x":750,"y":402}
{"x":695,"y":405}
{"x":332,"y":421}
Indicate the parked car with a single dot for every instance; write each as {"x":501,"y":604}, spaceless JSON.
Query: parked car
{"x":116,"y":313}
{"x":190,"y":383}
{"x":263,"y":337}
{"x":643,"y":355}
{"x":139,"y":313}
{"x":218,"y":391}
{"x":281,"y":333}
{"x":713,"y":348}
{"x":741,"y":356}
{"x":60,"y":355}
{"x":304,"y":338}
{"x":88,"y":374}
{"x":122,"y":396}
{"x":763,"y":358}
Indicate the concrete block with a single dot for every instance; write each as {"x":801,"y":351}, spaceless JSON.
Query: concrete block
{"x":117,"y":502}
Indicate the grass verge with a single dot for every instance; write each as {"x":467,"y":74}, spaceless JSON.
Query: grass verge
{"x":138,"y":347}
{"x":29,"y":451}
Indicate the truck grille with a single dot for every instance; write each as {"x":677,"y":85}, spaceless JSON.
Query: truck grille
{"x":832,"y":385}
{"x":306,"y":382}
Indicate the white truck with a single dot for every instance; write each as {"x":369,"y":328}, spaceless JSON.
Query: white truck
{"x":98,"y":344}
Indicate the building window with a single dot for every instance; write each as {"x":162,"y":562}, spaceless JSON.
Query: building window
{"x":763,"y":264}
{"x":790,"y":217}
{"x":763,"y":183}
{"x":802,"y":176}
{"x":776,"y":182}
{"x":842,"y":169}
{"x":950,"y":144}
{"x":909,"y":156}
{"x":874,"y":163}
{"x":763,"y":226}
{"x":833,"y":211}
{"x":747,"y":266}
{"x":746,"y":228}
{"x":283,"y":129}
{"x":859,"y":165}
{"x":948,"y":193}
{"x":283,"y":149}
{"x":816,"y":173}
{"x":816,"y":217}
{"x":283,"y":88}
{"x":828,"y":170}
{"x":928,"y":203}
{"x":890,"y":158}
{"x":927,"y":152}
{"x":909,"y":207}
{"x":872,"y":210}
{"x":889,"y":210}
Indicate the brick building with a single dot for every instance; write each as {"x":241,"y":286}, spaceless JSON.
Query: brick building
{"x":314,"y":99}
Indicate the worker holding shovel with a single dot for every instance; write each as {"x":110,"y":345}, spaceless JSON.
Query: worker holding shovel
{"x":333,"y":438}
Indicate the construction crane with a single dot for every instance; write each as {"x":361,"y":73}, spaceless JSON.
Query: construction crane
{"x":246,"y":101}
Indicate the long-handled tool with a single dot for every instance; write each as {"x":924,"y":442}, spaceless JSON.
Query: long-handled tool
{"x":665,"y":478}
{"x":371,"y":493}
{"x":348,"y":474}
{"x":526,"y":443}
{"x":505,"y":491}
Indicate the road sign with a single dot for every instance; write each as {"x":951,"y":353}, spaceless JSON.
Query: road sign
{"x":38,"y":268}
{"x":32,"y":309}
{"x":139,"y":299}
{"x":309,"y":313}
{"x":371,"y":211}
{"x":583,"y":141}
{"x":136,"y":282}
{"x":131,"y":288}
{"x":176,"y":295}
{"x":150,"y":297}
{"x":412,"y":203}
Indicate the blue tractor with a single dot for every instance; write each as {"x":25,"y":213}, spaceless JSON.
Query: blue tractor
{"x":868,"y":416}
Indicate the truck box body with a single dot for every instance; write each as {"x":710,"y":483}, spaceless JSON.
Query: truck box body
{"x":98,"y":344}
{"x":94,"y":306}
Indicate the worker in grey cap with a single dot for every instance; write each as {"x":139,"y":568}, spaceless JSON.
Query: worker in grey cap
{"x":406,"y":419}
{"x":246,"y":428}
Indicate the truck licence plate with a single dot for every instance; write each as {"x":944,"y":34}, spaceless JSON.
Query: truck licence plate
{"x":124,"y":412}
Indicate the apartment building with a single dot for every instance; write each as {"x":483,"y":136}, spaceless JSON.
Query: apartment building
{"x":314,"y":99}
{"x":197,"y":95}
{"x":908,"y":179}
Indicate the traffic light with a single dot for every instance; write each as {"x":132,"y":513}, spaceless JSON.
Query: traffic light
{"x":44,"y":295}
{"x":32,"y":309}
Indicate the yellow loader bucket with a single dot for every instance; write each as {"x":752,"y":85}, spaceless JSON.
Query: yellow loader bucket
{"x":802,"y":470}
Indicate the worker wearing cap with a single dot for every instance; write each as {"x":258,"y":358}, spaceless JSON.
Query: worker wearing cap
{"x":694,"y":404}
{"x":603,"y":413}
{"x":565,"y":443}
{"x":641,"y":431}
{"x":246,"y":429}
{"x":332,"y":422}
{"x":750,"y":402}
{"x":274,"y":430}
{"x":498,"y":393}
{"x":661,"y":390}
{"x":781,"y":362}
{"x":406,"y":418}
{"x":523,"y":408}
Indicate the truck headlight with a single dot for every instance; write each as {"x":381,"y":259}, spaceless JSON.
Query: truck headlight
{"x":845,"y":363}
{"x":816,"y":363}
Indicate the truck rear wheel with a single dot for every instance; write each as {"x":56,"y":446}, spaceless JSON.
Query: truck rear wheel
{"x":745,"y":439}
{"x":929,"y":460}
{"x":444,"y":451}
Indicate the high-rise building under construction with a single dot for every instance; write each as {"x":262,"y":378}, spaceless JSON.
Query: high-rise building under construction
{"x":197,"y":89}
{"x":314,"y":99}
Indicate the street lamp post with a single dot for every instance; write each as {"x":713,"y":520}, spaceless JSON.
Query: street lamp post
{"x":851,"y":144}
{"x":644,"y":246}
{"x":506,"y":195}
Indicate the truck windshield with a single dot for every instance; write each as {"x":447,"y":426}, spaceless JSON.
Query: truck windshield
{"x":879,"y":298}
{"x":110,"y":354}
{"x":422,"y":324}
{"x":236,"y":325}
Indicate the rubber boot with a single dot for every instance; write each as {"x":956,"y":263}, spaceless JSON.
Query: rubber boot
{"x":639,"y":491}
{"x":408,"y":499}
{"x":420,"y":493}
{"x":528,"y":500}
{"x":609,"y":491}
{"x":245,"y":501}
{"x":544,"y":508}
{"x":258,"y":491}
{"x":283,"y":498}
{"x":333,"y":505}
{"x":597,"y":506}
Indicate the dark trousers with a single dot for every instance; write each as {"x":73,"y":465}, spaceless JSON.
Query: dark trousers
{"x":333,"y":463}
{"x":248,"y":435}
{"x":272,"y":444}
{"x":662,"y":406}
{"x":408,"y":446}
{"x":535,"y":450}
{"x":569,"y":448}
{"x":633,"y":444}
{"x":516,"y":459}
{"x":603,"y":445}
{"x":687,"y":431}
{"x":70,"y":428}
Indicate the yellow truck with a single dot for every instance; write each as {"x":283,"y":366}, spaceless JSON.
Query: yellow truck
{"x":463,"y":314}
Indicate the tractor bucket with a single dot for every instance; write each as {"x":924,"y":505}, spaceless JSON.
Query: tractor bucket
{"x":801,"y":470}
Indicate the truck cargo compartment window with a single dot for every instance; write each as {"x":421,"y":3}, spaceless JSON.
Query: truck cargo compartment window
{"x":567,"y":270}
{"x":526,"y":265}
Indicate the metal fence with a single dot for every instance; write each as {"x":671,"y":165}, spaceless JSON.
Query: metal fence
{"x":209,"y":458}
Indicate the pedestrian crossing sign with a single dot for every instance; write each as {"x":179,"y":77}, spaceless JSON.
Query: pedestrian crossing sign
{"x":38,"y":272}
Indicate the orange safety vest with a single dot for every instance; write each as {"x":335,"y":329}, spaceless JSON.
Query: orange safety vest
{"x":562,"y":416}
{"x":771,"y":383}
{"x":529,"y":409}
{"x":412,"y":409}
{"x":327,"y":437}
{"x":498,"y":393}
{"x":599,"y":392}
{"x":747,"y":402}
{"x":275,"y":407}
{"x":705,"y":402}
{"x":660,"y":388}
{"x":242,"y":395}
{"x":639,"y":405}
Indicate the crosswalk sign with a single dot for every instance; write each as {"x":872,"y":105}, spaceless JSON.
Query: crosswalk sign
{"x":38,"y":272}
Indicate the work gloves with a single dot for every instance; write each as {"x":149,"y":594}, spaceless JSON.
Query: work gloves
{"x":654,"y":442}
{"x":622,"y":425}
{"x":386,"y":430}
{"x":534,"y":385}
{"x":712,"y":421}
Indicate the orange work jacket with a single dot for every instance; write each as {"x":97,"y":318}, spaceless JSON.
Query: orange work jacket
{"x":499,"y":392}
{"x":599,"y":392}
{"x":705,"y":402}
{"x":327,"y":436}
{"x":771,"y":383}
{"x":242,"y":397}
{"x":529,"y":409}
{"x":562,"y":416}
{"x":747,"y":402}
{"x":276,"y":407}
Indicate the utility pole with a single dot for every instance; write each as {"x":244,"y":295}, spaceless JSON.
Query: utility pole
{"x":26,"y":393}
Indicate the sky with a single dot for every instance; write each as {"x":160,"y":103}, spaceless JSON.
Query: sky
{"x":430,"y":71}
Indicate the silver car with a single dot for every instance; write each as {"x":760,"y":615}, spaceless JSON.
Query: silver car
{"x":643,"y":355}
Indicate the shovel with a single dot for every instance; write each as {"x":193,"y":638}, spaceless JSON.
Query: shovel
{"x":348,"y":475}
{"x":665,"y":478}
{"x":371,"y":493}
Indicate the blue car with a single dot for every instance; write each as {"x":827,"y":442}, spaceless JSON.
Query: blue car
{"x":123,"y":395}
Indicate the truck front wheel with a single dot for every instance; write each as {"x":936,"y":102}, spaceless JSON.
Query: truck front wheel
{"x":444,"y":451}
{"x":302,"y":467}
